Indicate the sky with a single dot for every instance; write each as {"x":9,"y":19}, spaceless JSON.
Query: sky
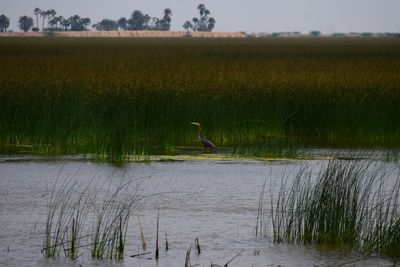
{"x":327,"y":16}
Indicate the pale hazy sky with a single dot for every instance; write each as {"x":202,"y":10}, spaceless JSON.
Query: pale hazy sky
{"x":327,"y":16}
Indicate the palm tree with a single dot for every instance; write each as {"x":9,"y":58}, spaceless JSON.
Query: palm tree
{"x":51,"y":15}
{"x":195,"y":24}
{"x":187,"y":25}
{"x":66,"y":23}
{"x":155,"y":24}
{"x":37,"y":12}
{"x":204,"y":23}
{"x":4,"y":23}
{"x":203,"y":19}
{"x":166,"y":21}
{"x":43,"y":14}
{"x":106,"y":25}
{"x":25,"y":23}
{"x":53,"y":22}
{"x":48,"y":16}
{"x":59,"y":22}
{"x":167,"y":14}
{"x":85,"y":22}
{"x":201,"y":9}
{"x":121,"y":23}
{"x":76,"y":23}
{"x":211,"y":24}
{"x":136,"y":21}
{"x":146,"y":22}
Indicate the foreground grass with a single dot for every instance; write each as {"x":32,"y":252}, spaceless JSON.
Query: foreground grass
{"x":83,"y":215}
{"x":351,"y":204}
{"x":121,"y":97}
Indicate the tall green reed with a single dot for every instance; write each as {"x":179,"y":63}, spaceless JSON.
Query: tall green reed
{"x":80,"y":212}
{"x":111,"y":223}
{"x":67,"y":211}
{"x":349,"y":203}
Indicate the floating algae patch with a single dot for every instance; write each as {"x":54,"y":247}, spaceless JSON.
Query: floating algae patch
{"x":226,"y":157}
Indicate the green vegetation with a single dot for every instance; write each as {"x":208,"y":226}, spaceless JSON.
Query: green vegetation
{"x":59,"y":23}
{"x":203,"y":24}
{"x":4,"y":23}
{"x":137,"y":22}
{"x":25,"y":23}
{"x":72,"y":213}
{"x":67,"y":211}
{"x":354,"y":204}
{"x":109,"y":234}
{"x":114,"y":98}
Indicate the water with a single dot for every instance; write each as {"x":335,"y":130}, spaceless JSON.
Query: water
{"x":214,"y":201}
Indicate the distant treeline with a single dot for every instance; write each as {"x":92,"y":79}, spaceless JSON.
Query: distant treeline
{"x":319,"y":34}
{"x":137,"y":21}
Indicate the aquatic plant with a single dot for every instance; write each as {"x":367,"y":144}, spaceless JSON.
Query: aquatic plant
{"x":72,"y":209}
{"x":156,"y":256}
{"x":349,"y":203}
{"x":111,"y":222}
{"x":197,"y":245}
{"x":144,"y":243}
{"x":187,"y":258}
{"x":382,"y":233}
{"x":67,"y":211}
{"x":136,"y":96}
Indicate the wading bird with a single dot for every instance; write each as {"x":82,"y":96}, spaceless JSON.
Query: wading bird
{"x":205,"y":142}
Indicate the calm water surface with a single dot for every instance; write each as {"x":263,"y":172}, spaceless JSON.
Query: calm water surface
{"x":213,"y":201}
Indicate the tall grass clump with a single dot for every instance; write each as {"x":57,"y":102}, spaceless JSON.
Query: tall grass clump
{"x":81,"y":216}
{"x":382,"y":235}
{"x":67,"y":211}
{"x":353,"y":204}
{"x":137,"y":96}
{"x":111,"y":223}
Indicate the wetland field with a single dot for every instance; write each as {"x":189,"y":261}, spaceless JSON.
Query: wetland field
{"x":101,"y":166}
{"x":268,"y":97}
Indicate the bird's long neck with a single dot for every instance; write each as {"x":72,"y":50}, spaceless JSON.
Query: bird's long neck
{"x":199,"y":132}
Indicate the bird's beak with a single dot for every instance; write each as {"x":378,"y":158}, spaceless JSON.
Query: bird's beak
{"x":195,"y":123}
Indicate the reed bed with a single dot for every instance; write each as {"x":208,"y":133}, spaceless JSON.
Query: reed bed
{"x":119,"y":97}
{"x":349,"y":204}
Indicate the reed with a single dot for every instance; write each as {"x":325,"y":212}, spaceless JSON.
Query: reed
{"x":66,"y":216}
{"x":71,"y":210}
{"x":157,"y":249}
{"x":144,"y":243}
{"x":166,"y":242}
{"x":382,"y":233}
{"x":187,"y":258}
{"x":111,"y":223}
{"x":197,"y":245}
{"x":134,"y":97}
{"x":352,"y":204}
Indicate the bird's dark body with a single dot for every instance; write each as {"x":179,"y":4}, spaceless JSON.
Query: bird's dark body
{"x":206,"y":143}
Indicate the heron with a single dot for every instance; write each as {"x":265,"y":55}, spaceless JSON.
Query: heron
{"x":204,"y":141}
